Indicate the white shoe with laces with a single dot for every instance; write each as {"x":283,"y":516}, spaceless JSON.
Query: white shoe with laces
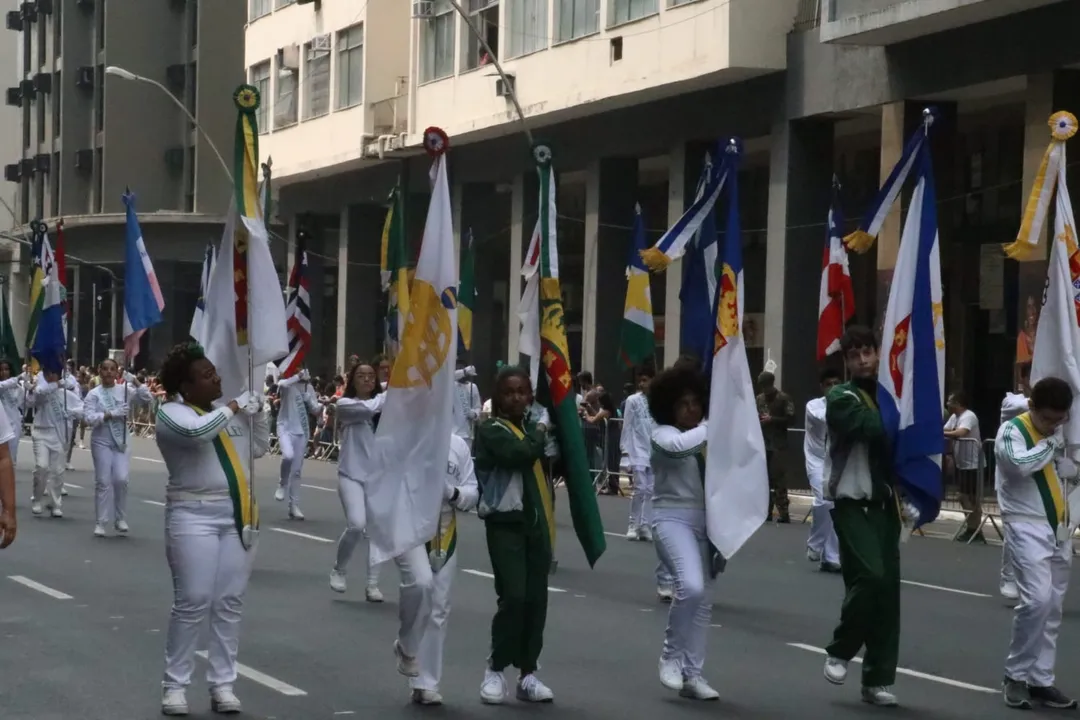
{"x":530,"y":689}
{"x":122,"y":526}
{"x":1009,"y":591}
{"x":879,"y":696}
{"x":671,"y":674}
{"x":632,"y":533}
{"x":337,"y":581}
{"x":836,"y":670}
{"x":426,"y":697}
{"x":35,"y":508}
{"x":665,"y":593}
{"x":224,"y":701}
{"x":99,"y":531}
{"x":279,"y":494}
{"x":56,"y":512}
{"x":373,"y":594}
{"x":407,"y":665}
{"x":697,"y":689}
{"x":174,"y":702}
{"x":813,"y":555}
{"x":493,"y":689}
{"x":295,"y":514}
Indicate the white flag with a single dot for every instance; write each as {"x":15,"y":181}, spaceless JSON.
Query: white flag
{"x":529,"y":309}
{"x":408,"y":466}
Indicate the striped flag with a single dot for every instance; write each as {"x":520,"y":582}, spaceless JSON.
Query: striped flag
{"x":61,"y":272}
{"x":673,"y":244}
{"x":638,"y":341}
{"x":37,"y":288}
{"x":48,"y":342}
{"x":143,"y":301}
{"x":836,"y":298}
{"x":197,"y":319}
{"x":394,"y":267}
{"x":467,"y":295}
{"x":9,"y":346}
{"x":298,"y":311}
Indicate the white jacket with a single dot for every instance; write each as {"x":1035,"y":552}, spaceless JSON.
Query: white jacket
{"x":13,"y":398}
{"x":459,"y":475}
{"x":1013,"y":405}
{"x":637,"y":429}
{"x":1018,"y":493}
{"x":814,"y":445}
{"x":56,"y":408}
{"x":95,"y":409}
{"x":356,"y":428}
{"x":298,"y":404}
{"x":466,"y":408}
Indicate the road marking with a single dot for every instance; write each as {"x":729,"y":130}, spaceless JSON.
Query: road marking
{"x":912,"y":673}
{"x":154,"y":502}
{"x":45,"y":589}
{"x":319,"y":487}
{"x":144,"y":459}
{"x":618,"y":535}
{"x":303,"y":535}
{"x":263,"y":679}
{"x":945,"y":589}
{"x":489,"y":576}
{"x":72,"y":485}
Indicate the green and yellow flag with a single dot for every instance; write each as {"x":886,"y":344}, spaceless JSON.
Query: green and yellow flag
{"x":466,"y":295}
{"x":556,"y":389}
{"x":9,"y":347}
{"x":638,"y":341}
{"x":394,"y":266}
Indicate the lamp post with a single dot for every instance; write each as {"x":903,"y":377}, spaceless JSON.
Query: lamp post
{"x":128,"y":75}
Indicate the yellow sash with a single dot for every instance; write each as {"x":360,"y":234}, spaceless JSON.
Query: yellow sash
{"x":539,"y":482}
{"x":1047,"y":479}
{"x":245,"y":511}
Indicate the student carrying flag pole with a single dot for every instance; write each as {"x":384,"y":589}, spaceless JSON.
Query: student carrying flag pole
{"x":887,"y":429}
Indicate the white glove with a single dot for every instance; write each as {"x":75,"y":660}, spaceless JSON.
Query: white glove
{"x":254,"y":405}
{"x":472,"y":415}
{"x":470,"y":372}
{"x":120,"y":412}
{"x":448,"y":492}
{"x":129,"y":378}
{"x":244,"y":400}
{"x":305,"y":376}
{"x":1066,"y":469}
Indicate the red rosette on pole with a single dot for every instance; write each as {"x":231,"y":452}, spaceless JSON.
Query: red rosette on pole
{"x":436,"y":142}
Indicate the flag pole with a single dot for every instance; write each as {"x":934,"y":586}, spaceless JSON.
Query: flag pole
{"x":843,"y":308}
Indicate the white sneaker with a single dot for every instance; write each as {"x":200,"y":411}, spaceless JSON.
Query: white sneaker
{"x":698,"y":689}
{"x":373,"y":594}
{"x":644,"y":533}
{"x":406,"y":664}
{"x":671,"y":674}
{"x":813,"y":555}
{"x":279,"y":494}
{"x":122,"y":526}
{"x":99,"y":531}
{"x":174,"y":702}
{"x":493,"y":689}
{"x":56,"y":512}
{"x":224,"y":701}
{"x":1009,"y":591}
{"x":631,"y":533}
{"x":69,"y":466}
{"x":664,"y":593}
{"x":80,"y":445}
{"x":426,"y":697}
{"x":295,"y":514}
{"x":879,"y":696}
{"x":35,"y":508}
{"x":337,"y":581}
{"x":835,"y":670}
{"x":530,"y":689}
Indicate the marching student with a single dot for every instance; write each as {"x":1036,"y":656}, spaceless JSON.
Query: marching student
{"x":107,"y":410}
{"x":515,"y":505}
{"x":678,"y":399}
{"x":206,"y":445}
{"x":298,"y":403}
{"x":1013,"y":405}
{"x":1030,"y":478}
{"x":466,"y":402}
{"x":13,"y":398}
{"x":866,"y":515}
{"x":822,"y":546}
{"x":461,"y":494}
{"x":356,"y":415}
{"x":56,"y":408}
{"x":636,"y":442}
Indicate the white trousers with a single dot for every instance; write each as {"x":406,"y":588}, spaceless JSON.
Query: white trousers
{"x":683,"y":546}
{"x":1008,"y":574}
{"x":50,"y":458}
{"x":641,"y":501}
{"x":210,"y":571}
{"x":110,"y":482}
{"x":13,"y":446}
{"x":1042,"y":566}
{"x":822,"y":540}
{"x":430,"y":656}
{"x":414,"y":603}
{"x":293,"y":448}
{"x":354,"y":503}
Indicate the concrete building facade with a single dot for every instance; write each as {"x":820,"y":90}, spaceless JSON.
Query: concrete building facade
{"x":631,"y":95}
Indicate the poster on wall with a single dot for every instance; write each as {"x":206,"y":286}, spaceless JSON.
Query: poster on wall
{"x":991,"y":277}
{"x":754,"y":330}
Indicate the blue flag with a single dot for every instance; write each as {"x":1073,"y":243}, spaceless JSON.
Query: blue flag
{"x":143,"y":301}
{"x":50,"y":344}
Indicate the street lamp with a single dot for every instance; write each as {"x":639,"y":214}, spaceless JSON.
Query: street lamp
{"x":128,"y":75}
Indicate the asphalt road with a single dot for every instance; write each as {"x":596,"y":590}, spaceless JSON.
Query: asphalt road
{"x":82,"y":623}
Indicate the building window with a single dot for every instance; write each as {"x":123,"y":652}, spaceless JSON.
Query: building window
{"x":283,"y":3}
{"x":56,"y":94}
{"x":438,"y":43}
{"x":576,"y":18}
{"x":350,"y":67}
{"x":623,"y":11}
{"x":100,"y":11}
{"x":485,"y":16}
{"x":527,"y":23}
{"x":287,"y":86}
{"x":673,"y":3}
{"x":317,"y":77}
{"x":258,"y":8}
{"x":260,"y":78}
{"x":54,"y":186}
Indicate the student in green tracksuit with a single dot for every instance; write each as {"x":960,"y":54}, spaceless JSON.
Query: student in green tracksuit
{"x":518,"y":513}
{"x":866,"y":514}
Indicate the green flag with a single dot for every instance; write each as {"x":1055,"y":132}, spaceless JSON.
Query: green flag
{"x":9,"y":347}
{"x":394,"y":267}
{"x":556,"y":389}
{"x":638,"y":341}
{"x":466,"y":295}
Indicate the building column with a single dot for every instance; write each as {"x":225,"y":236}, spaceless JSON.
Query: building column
{"x":477,"y":212}
{"x":359,"y":296}
{"x":800,"y":188}
{"x":524,"y":212}
{"x":610,"y":195}
{"x":341,"y":341}
{"x":673,"y":276}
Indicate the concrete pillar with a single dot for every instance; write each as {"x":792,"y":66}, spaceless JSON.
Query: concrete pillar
{"x":677,"y":201}
{"x":610,"y":194}
{"x":341,"y":339}
{"x":524,"y":211}
{"x":75,"y":309}
{"x":478,"y":204}
{"x":800,"y":188}
{"x":360,"y":295}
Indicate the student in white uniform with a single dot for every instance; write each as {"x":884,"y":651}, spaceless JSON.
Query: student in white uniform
{"x":461,"y":494}
{"x":55,"y":410}
{"x":467,"y":403}
{"x":1013,"y":405}
{"x":356,"y":414}
{"x":1033,"y":478}
{"x":822,"y":546}
{"x":298,"y":403}
{"x":678,"y":399}
{"x":107,"y":409}
{"x":209,"y":540}
{"x":13,"y":398}
{"x":636,"y":443}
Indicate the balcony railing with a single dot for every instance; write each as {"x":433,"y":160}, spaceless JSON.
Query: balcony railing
{"x":807,"y":15}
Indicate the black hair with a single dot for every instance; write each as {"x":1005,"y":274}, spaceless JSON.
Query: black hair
{"x":585,"y":377}
{"x":505,"y":373}
{"x":176,"y":369}
{"x":1051,"y":393}
{"x":857,"y":337}
{"x":766,"y":379}
{"x":644,"y":370}
{"x":108,"y":359}
{"x":350,"y":389}
{"x":829,"y":374}
{"x":9,"y":363}
{"x":1025,"y":371}
{"x":670,"y":386}
{"x":960,"y":398}
{"x":688,"y":361}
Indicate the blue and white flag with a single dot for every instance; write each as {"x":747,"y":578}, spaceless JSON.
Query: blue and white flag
{"x":197,"y":319}
{"x":911,"y":377}
{"x":736,"y":474}
{"x":143,"y":301}
{"x":699,"y":277}
{"x":50,"y":343}
{"x":673,"y":244}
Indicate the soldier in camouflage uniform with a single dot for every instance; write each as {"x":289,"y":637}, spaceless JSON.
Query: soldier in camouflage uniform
{"x":776,"y":412}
